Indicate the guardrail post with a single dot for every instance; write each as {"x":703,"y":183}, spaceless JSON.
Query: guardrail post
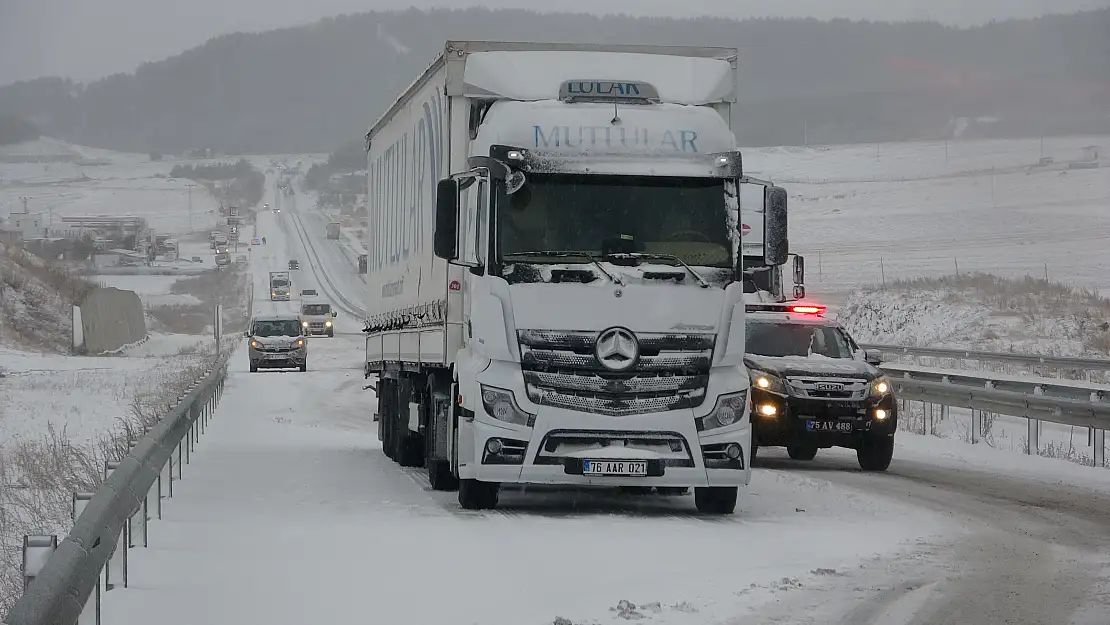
{"x":90,"y":614}
{"x":167,"y":470}
{"x":1100,"y":448}
{"x":37,"y":549}
{"x":1033,"y":426}
{"x":117,"y":563}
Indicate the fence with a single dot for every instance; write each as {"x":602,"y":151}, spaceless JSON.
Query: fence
{"x":1035,"y":399}
{"x":63,"y":580}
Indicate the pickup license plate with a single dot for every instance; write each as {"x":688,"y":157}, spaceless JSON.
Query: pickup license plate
{"x":636,"y":468}
{"x":829,"y":426}
{"x":277,"y":356}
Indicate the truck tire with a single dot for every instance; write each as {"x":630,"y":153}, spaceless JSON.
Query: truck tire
{"x":875,"y":453}
{"x":410,"y":448}
{"x":475,"y":495}
{"x":802,"y":451}
{"x":716,"y":499}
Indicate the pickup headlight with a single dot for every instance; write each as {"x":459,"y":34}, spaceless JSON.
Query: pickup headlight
{"x":254,"y":344}
{"x":880,"y":386}
{"x":304,"y":324}
{"x":501,"y":405}
{"x":767,"y":382}
{"x":300,"y":342}
{"x":729,"y":410}
{"x":327,"y":324}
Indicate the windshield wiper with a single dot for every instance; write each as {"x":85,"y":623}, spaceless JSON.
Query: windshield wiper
{"x":561,"y":254}
{"x":645,"y":256}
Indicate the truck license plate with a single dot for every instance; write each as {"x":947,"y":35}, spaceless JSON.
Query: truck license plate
{"x":829,"y":426}
{"x":614,"y":467}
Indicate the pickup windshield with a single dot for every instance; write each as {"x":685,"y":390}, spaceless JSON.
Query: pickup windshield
{"x":782,"y":338}
{"x":283,"y":327}
{"x":683,"y":217}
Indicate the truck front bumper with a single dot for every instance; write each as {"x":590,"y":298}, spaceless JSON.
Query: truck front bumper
{"x":553,"y":450}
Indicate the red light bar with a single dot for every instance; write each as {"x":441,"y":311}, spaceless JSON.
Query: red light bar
{"x":808,"y":309}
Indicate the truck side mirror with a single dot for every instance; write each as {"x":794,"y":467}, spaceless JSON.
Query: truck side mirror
{"x":873,"y":357}
{"x":776,"y":242}
{"x":447,"y":217}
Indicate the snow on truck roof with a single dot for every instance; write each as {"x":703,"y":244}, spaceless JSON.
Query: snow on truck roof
{"x":537,"y":71}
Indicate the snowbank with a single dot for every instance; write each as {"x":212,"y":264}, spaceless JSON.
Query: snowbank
{"x":984,"y":312}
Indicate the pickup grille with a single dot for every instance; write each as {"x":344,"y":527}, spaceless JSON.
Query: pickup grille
{"x":561,"y":370}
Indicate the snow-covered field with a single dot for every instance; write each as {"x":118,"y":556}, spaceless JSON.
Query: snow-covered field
{"x":101,"y":182}
{"x":862,"y":214}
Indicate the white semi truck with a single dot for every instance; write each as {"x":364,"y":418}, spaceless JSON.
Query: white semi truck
{"x":554,"y":271}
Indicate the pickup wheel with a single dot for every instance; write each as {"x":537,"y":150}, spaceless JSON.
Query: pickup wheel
{"x":331,"y":333}
{"x":304,"y":367}
{"x":802,"y":451}
{"x":716,"y":499}
{"x":475,"y":495}
{"x":875,"y":453}
{"x":254,"y":367}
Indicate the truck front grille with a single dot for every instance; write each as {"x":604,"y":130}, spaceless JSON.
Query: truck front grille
{"x":561,"y":370}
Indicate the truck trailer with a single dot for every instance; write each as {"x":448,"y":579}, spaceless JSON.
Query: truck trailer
{"x":332,"y":230}
{"x":555,"y":291}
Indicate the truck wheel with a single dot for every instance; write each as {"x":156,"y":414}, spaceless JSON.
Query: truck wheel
{"x":254,"y":367}
{"x":410,"y":448}
{"x":440,"y":477}
{"x":802,"y":451}
{"x":716,"y":499}
{"x":475,"y":495}
{"x":875,"y":453}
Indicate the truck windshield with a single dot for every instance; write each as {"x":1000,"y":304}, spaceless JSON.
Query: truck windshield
{"x":283,"y":327}
{"x":279,"y":282}
{"x":683,"y":217}
{"x":316,"y":309}
{"x":778,"y":339}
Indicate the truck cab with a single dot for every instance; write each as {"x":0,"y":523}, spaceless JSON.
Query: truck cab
{"x":589,"y":327}
{"x":279,"y":286}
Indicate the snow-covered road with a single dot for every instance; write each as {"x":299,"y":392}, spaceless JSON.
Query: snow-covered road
{"x":291,"y":513}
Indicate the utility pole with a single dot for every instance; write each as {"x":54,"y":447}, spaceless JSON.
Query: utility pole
{"x":189,"y":186}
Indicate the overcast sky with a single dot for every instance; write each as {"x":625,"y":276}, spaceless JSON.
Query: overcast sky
{"x":88,"y":39}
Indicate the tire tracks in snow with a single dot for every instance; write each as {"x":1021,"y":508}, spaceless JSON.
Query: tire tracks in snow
{"x":1031,"y":552}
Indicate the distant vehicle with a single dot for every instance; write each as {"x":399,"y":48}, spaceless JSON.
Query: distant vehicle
{"x":316,"y":318}
{"x":294,"y":265}
{"x":277,"y":210}
{"x":197,"y":259}
{"x":308,"y":293}
{"x":223,"y":259}
{"x":333,"y":230}
{"x":279,"y":286}
{"x":256,"y":241}
{"x":277,"y":342}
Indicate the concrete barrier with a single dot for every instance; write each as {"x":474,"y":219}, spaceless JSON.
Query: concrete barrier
{"x":111,"y":318}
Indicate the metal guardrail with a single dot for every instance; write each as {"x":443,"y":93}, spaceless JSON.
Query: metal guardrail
{"x":1058,"y":362}
{"x":63,"y":579}
{"x":1046,"y":387}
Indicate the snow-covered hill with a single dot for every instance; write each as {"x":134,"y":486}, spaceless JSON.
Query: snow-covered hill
{"x":36,"y":302}
{"x":981,"y":312}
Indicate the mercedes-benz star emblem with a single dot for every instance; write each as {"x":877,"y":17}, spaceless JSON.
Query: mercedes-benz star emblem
{"x":617,"y":349}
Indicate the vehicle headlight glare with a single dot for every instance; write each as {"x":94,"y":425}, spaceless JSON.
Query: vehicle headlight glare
{"x":327,"y":324}
{"x":880,"y":387}
{"x":304,"y":324}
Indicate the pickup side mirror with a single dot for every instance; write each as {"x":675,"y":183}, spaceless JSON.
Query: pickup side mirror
{"x":447,"y":217}
{"x":873,"y":357}
{"x":776,"y":241}
{"x":334,"y":314}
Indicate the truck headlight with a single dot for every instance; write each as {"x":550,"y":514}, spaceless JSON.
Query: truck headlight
{"x":304,"y":324}
{"x":880,"y":386}
{"x":767,"y":382}
{"x":501,"y":405}
{"x":729,"y":410}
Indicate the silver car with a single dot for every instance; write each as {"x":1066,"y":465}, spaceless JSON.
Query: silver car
{"x":277,"y":341}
